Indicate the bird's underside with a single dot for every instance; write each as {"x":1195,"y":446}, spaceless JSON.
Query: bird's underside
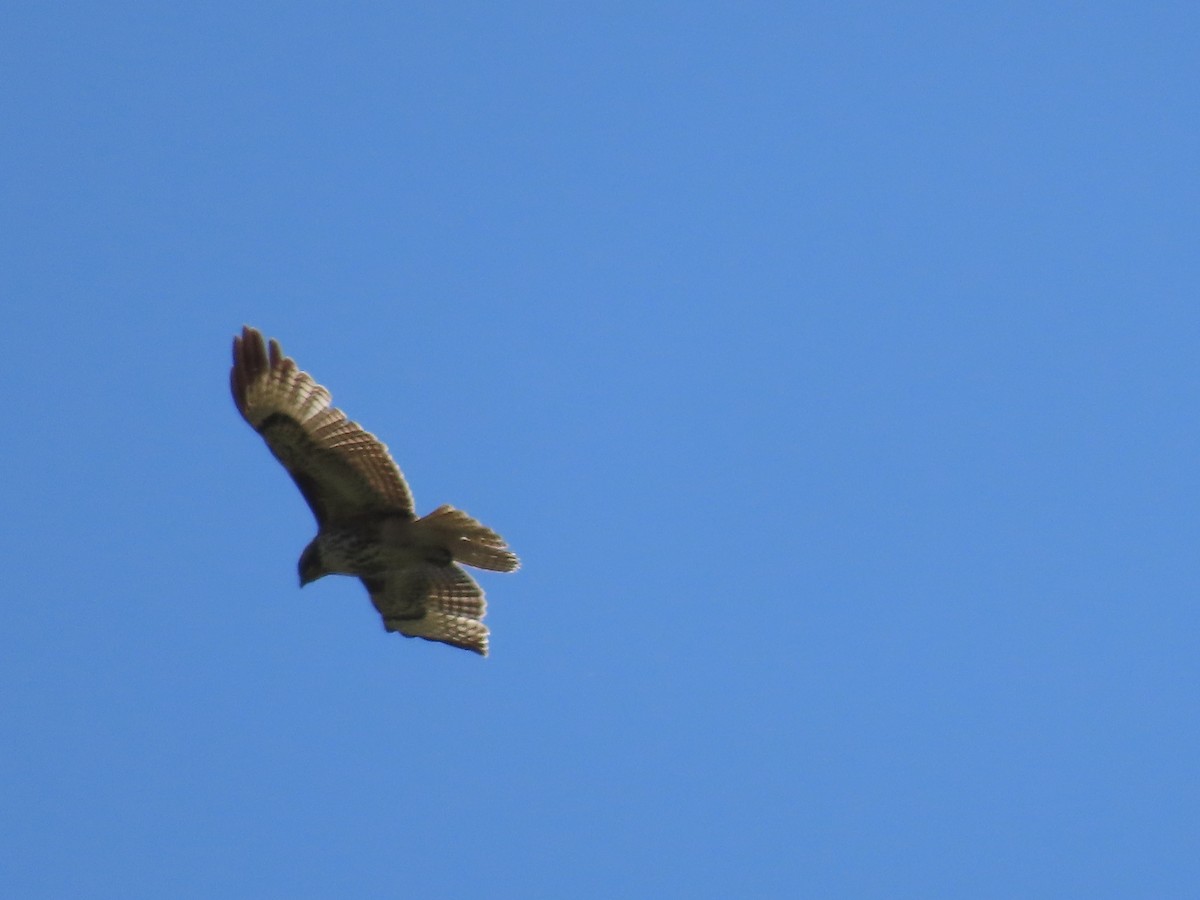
{"x":366,"y":525}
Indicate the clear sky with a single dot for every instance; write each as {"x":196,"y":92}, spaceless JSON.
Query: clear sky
{"x":832,"y":367}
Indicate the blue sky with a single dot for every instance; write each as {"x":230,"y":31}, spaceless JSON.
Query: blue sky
{"x":832,"y":367}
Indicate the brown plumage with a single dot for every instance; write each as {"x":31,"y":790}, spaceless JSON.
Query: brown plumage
{"x":366,"y":525}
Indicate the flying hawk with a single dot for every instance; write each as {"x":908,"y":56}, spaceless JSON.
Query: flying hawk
{"x":366,"y":525}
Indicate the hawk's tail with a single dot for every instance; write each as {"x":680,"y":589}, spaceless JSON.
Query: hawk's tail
{"x":472,"y":543}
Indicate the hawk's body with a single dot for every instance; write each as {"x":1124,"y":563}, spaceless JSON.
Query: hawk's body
{"x":365,"y":519}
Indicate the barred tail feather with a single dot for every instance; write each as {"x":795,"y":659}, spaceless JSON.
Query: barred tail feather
{"x":473,"y":543}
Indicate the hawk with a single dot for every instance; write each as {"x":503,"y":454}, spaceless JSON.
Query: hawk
{"x":366,"y":525}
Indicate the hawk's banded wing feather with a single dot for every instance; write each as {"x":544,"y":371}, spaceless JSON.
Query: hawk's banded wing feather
{"x":342,"y":470}
{"x":431,"y":601}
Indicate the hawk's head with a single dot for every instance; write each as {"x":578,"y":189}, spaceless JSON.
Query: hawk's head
{"x":311,"y":567}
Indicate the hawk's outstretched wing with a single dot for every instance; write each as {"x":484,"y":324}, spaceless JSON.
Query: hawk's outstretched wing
{"x":431,"y":601}
{"x":341,"y":470}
